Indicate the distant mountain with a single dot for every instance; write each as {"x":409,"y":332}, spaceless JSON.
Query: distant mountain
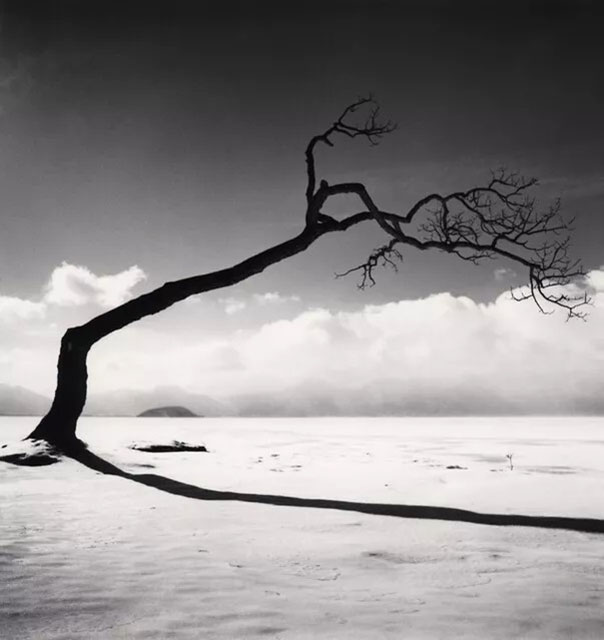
{"x":131,"y":402}
{"x":18,"y":401}
{"x":167,"y":412}
{"x":386,"y":397}
{"x":391,"y":398}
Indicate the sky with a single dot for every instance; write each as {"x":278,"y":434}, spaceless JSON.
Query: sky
{"x":144,"y":142}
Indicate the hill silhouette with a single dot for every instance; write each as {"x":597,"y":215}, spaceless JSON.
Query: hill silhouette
{"x":167,"y":412}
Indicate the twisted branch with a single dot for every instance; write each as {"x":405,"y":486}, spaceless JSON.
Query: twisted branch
{"x":370,"y":128}
{"x":497,"y":219}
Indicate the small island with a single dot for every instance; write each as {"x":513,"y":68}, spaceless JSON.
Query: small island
{"x":167,"y":412}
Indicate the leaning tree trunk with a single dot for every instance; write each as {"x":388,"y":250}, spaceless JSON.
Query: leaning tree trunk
{"x":59,"y":424}
{"x":58,"y":427}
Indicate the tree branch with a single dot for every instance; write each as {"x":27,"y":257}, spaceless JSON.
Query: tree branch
{"x":371,"y":128}
{"x":386,"y":256}
{"x":498,"y":219}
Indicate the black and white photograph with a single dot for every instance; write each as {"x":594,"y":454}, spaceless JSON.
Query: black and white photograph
{"x":301,"y":320}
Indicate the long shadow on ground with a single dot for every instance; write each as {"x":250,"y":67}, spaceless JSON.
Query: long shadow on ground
{"x":422,"y":512}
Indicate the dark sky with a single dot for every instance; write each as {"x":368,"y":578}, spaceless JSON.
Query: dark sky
{"x":143,"y":126}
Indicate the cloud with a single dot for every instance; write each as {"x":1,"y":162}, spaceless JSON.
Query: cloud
{"x":503,"y":273}
{"x":442,"y":353}
{"x":595,"y":280}
{"x":273,"y":297}
{"x":72,"y":285}
{"x":232,"y":305}
{"x":13,"y":309}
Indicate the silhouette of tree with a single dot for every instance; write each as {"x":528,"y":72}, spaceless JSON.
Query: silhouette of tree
{"x":497,"y":219}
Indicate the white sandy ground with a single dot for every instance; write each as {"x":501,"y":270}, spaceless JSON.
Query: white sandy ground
{"x":88,"y":556}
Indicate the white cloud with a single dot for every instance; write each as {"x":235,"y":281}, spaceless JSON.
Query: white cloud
{"x":273,"y":297}
{"x":595,"y":279}
{"x":435,"y":347}
{"x":12,"y":309}
{"x":502,"y":273}
{"x":72,"y":285}
{"x":232,"y":305}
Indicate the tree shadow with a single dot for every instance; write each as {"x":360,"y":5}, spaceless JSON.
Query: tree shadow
{"x":419,"y":512}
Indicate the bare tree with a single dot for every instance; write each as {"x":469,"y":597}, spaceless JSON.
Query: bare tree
{"x":497,"y":219}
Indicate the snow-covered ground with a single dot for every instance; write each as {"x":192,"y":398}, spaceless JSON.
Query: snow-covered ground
{"x":86,"y":555}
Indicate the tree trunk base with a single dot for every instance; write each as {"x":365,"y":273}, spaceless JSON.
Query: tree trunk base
{"x":59,"y":432}
{"x":30,"y":453}
{"x":65,"y":445}
{"x":43,"y":446}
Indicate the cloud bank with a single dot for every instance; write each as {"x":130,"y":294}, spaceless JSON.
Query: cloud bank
{"x":437,"y":354}
{"x":442,"y":354}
